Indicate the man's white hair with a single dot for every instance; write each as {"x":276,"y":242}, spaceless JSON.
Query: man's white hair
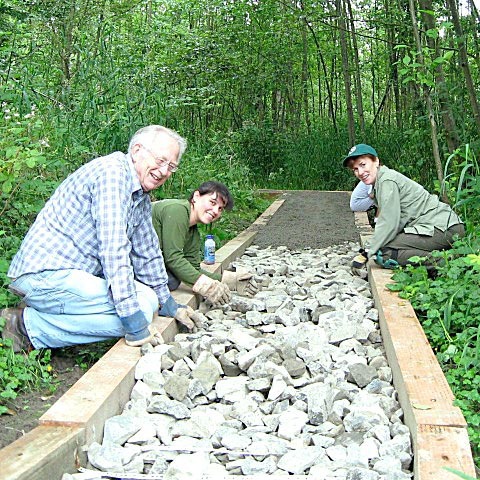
{"x":147,"y":136}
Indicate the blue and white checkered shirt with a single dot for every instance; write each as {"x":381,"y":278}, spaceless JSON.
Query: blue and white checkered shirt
{"x":99,"y":221}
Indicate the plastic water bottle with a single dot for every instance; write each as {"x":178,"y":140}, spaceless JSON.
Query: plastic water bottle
{"x":209,"y":250}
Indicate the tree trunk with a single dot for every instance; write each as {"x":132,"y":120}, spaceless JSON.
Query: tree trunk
{"x":321,"y":62}
{"x":451,"y":133}
{"x":305,"y":77}
{"x":462,"y":52}
{"x":346,"y":72}
{"x":428,"y":98}
{"x":357,"y":71}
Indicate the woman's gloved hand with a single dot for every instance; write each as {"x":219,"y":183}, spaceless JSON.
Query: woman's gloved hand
{"x":359,"y":264}
{"x":240,"y":281}
{"x":213,"y":290}
{"x":189,"y":317}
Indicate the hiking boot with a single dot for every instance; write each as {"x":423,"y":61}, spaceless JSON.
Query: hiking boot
{"x":15,"y":330}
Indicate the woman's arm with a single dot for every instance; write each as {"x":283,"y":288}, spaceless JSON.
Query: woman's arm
{"x":388,"y":221}
{"x":360,"y":200}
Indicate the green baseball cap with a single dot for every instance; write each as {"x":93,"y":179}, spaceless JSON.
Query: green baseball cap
{"x":358,"y":151}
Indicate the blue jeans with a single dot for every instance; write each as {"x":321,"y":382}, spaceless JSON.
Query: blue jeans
{"x":70,"y":307}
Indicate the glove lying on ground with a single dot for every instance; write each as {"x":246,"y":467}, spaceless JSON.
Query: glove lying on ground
{"x":213,"y":290}
{"x":359,"y":264}
{"x":138,"y":331}
{"x":182,"y":313}
{"x":240,"y":281}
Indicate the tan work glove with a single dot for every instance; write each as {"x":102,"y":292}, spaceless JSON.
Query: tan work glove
{"x":240,"y":281}
{"x":213,"y":290}
{"x":155,"y":338}
{"x":189,"y":317}
{"x":359,"y":264}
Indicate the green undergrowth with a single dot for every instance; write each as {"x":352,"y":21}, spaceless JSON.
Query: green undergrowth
{"x":448,"y":306}
{"x":24,"y":371}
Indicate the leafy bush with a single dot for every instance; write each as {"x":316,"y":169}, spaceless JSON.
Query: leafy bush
{"x":21,"y":371}
{"x":448,"y":308}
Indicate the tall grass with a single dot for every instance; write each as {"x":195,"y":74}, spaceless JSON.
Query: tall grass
{"x":313,"y":160}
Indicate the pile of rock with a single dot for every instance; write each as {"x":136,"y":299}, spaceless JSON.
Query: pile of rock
{"x":293,"y":381}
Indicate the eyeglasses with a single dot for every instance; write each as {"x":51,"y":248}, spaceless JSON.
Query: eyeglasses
{"x":161,"y":162}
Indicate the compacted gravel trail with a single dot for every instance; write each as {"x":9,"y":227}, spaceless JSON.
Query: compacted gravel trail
{"x":310,"y":219}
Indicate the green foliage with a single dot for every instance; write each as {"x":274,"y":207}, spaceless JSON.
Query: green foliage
{"x":460,"y":474}
{"x":19,"y":372}
{"x":462,"y":184}
{"x":302,"y":160}
{"x":88,"y":354}
{"x":23,"y":186}
{"x":448,"y":308}
{"x":449,"y":305}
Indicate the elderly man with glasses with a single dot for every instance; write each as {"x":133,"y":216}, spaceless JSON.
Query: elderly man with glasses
{"x":90,"y":267}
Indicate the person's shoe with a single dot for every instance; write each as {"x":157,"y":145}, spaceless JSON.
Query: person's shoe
{"x":15,"y":330}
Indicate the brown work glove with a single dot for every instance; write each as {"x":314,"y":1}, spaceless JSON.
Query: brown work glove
{"x":213,"y":290}
{"x":240,"y":281}
{"x":189,"y":317}
{"x":155,"y":338}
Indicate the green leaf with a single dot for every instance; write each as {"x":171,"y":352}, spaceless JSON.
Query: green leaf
{"x":448,"y":55}
{"x":31,"y":162}
{"x":11,"y":152}
{"x":460,"y":474}
{"x":7,"y":186}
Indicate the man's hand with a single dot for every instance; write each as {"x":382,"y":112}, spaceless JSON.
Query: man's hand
{"x":240,"y":281}
{"x":138,"y":331}
{"x":213,"y":290}
{"x":182,"y":313}
{"x":154,"y":338}
{"x":359,"y":264}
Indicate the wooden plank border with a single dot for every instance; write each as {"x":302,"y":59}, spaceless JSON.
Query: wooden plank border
{"x":438,"y":428}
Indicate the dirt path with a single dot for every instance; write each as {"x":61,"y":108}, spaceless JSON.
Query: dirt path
{"x":306,"y":219}
{"x":310,"y":219}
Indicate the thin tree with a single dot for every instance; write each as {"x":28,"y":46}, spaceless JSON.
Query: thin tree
{"x":357,"y":70}
{"x":346,"y":70}
{"x":451,"y":133}
{"x":462,"y":53}
{"x":427,"y":96}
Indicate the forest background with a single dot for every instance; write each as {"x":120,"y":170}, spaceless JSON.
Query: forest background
{"x":269,"y":93}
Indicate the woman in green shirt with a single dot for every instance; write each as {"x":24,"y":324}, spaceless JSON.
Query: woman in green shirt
{"x":175,"y":222}
{"x":411,"y":222}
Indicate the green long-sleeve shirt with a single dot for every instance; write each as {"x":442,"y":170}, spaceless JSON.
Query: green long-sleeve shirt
{"x":180,"y":243}
{"x":406,"y":206}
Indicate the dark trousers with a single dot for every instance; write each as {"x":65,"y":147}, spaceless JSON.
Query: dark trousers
{"x":173,"y":281}
{"x":406,"y":245}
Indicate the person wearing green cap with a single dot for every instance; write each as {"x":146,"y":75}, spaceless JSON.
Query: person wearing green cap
{"x":411,"y":221}
{"x":176,"y":223}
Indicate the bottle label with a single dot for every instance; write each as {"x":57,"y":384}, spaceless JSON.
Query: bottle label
{"x":209,"y":252}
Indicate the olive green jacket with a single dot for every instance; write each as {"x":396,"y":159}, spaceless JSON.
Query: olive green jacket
{"x":180,"y":243}
{"x":405,"y":206}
